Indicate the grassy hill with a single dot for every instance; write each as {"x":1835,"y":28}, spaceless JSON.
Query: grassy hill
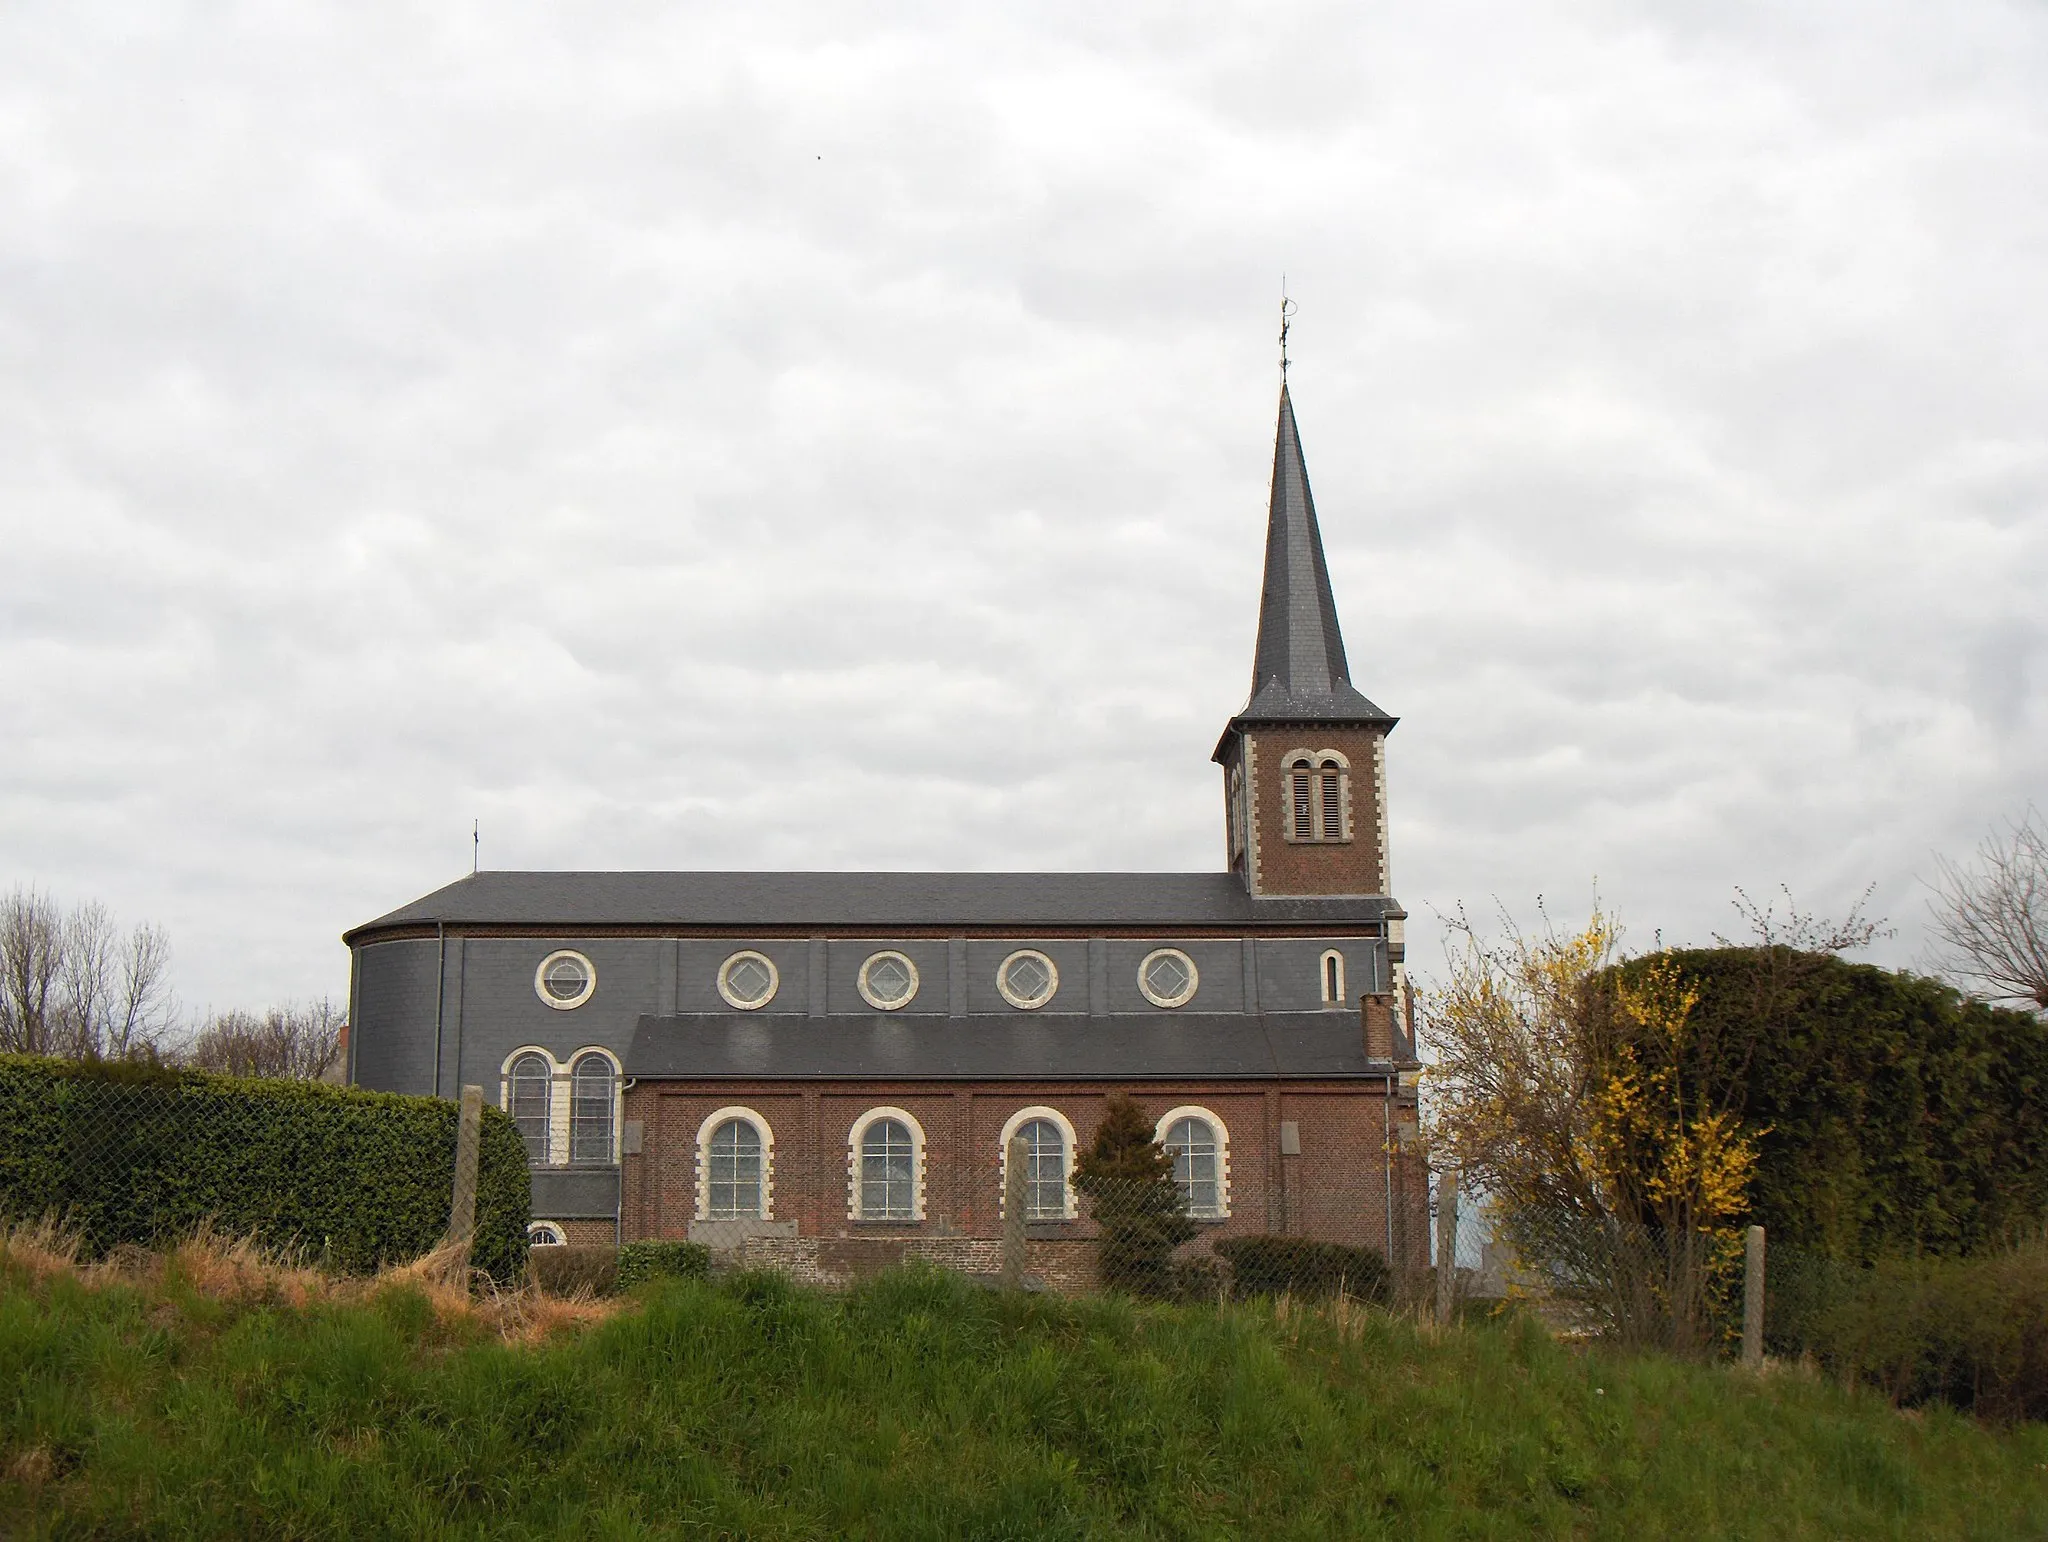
{"x":173,"y":1404}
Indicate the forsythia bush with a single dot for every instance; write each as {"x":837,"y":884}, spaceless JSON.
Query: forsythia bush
{"x":131,"y":1154}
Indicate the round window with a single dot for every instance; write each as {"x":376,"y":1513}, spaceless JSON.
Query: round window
{"x":545,"y":1234}
{"x":565,"y":979}
{"x":1027,"y":979}
{"x":1168,"y":977}
{"x":748,"y":980}
{"x":887,"y":981}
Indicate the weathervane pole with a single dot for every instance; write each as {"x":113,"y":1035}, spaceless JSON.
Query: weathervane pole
{"x":1287,"y":310}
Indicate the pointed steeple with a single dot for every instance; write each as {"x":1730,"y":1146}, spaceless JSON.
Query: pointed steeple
{"x":1299,"y":672}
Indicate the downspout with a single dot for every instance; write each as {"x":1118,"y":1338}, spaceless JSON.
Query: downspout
{"x":1387,"y":1156}
{"x":440,"y":998}
{"x":619,"y":1204}
{"x":355,"y":1028}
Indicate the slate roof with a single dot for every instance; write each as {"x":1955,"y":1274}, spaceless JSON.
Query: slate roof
{"x":876,"y":901}
{"x":1299,"y":672}
{"x":710,"y":1046}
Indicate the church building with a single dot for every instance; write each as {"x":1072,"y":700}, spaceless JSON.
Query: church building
{"x":825,"y":1070}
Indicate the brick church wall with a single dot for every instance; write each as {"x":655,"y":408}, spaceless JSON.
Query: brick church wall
{"x":1335,"y":1189}
{"x":1353,"y":867}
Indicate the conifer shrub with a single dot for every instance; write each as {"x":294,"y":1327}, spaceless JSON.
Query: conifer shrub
{"x":1269,"y":1266}
{"x":1128,"y":1178}
{"x":128,"y":1154}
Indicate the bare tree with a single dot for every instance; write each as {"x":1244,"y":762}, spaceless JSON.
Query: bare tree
{"x":1990,"y":916}
{"x":31,"y":964}
{"x":71,"y":984}
{"x":301,"y":1042}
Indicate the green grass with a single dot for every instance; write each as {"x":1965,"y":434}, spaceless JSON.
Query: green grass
{"x":921,"y":1407}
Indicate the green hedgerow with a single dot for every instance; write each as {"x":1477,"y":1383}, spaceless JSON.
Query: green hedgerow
{"x":142,"y":1155}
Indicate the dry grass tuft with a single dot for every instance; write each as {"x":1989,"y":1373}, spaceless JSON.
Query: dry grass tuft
{"x":41,"y":1249}
{"x":240,"y":1272}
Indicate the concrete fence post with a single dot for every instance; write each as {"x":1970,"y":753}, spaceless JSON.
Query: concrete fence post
{"x":468,"y":1136}
{"x":1753,"y":1299}
{"x":1014,"y":1204}
{"x":1446,"y":1243}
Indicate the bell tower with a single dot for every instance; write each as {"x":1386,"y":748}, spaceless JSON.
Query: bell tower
{"x":1304,"y":761}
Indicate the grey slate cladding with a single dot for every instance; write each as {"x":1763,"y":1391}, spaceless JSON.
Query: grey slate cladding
{"x":1221,"y":1046}
{"x":1299,"y":672}
{"x":835,"y":901}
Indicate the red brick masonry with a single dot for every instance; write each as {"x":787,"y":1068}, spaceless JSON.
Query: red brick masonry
{"x":1335,"y":1189}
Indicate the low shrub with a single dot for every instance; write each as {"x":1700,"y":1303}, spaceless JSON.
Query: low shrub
{"x":1969,"y":1332}
{"x":603,"y":1270}
{"x":1203,"y":1278}
{"x":577,"y":1269}
{"x":130,"y":1155}
{"x":643,"y":1261}
{"x":1267,"y":1266}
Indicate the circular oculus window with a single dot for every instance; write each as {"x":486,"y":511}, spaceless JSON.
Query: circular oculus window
{"x":565,"y":979}
{"x":1028,"y":979}
{"x":1168,"y":977}
{"x":887,"y":981}
{"x":748,"y":980}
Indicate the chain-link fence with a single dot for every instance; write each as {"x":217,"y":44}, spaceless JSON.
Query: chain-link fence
{"x":124,"y":1156}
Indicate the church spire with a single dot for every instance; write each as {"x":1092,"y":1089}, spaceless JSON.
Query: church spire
{"x":1299,"y":671}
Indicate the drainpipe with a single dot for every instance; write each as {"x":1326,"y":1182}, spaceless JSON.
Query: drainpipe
{"x":440,"y":998}
{"x":1387,"y":1157}
{"x":619,"y":1204}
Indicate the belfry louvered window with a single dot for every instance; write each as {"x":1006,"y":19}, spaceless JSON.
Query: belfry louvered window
{"x":1318,"y":797}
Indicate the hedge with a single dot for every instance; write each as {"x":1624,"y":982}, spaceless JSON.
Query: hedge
{"x":643,"y":1261}
{"x":1266,"y":1266}
{"x":1894,"y":1116}
{"x":130,"y":1154}
{"x":605,"y":1270}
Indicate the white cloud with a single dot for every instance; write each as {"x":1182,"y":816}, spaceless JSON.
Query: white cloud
{"x":838,"y":437}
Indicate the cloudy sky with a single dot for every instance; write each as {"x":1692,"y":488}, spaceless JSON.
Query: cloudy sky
{"x":837,"y":436}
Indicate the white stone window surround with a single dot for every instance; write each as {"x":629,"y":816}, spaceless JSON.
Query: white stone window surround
{"x":545,"y":1234}
{"x":561,"y":1109}
{"x":732,"y":997}
{"x":857,"y":1134}
{"x":1070,"y":1205}
{"x":1017,"y":999}
{"x":565,"y":1003}
{"x":1325,"y":974}
{"x":1158,"y":999}
{"x":1221,"y":1133}
{"x":763,"y":1129}
{"x":872,"y":997}
{"x":1315,"y":764}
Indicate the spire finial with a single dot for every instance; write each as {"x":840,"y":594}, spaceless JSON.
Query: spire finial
{"x":1287,"y":310}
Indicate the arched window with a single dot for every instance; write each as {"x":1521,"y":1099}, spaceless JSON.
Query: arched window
{"x":1333,"y":976}
{"x":530,"y":1101}
{"x":1045,"y":1170}
{"x":1196,"y":1141}
{"x":1048,"y":1159}
{"x":544,"y":1234}
{"x":1318,"y":795}
{"x":591,"y":1086}
{"x":735,"y":1172}
{"x":888,"y":1172}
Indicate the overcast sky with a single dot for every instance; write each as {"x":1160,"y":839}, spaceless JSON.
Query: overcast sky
{"x":838,"y":436}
